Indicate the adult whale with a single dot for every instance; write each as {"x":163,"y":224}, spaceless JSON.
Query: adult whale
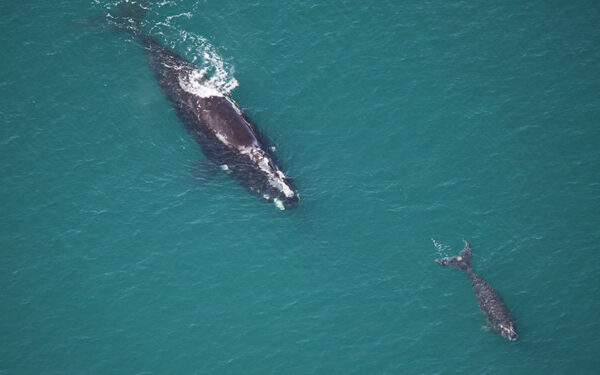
{"x":225,"y":134}
{"x":490,"y":302}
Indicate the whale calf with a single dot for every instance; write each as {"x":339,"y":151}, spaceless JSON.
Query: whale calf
{"x":225,"y":134}
{"x":497,"y":315}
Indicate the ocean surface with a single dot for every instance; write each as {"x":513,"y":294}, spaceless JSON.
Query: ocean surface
{"x":408,"y":128}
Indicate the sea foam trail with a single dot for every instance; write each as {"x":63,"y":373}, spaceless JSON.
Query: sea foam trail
{"x":215,"y":74}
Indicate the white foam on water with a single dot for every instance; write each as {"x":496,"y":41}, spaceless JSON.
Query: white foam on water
{"x":217,"y":74}
{"x":187,"y":15}
{"x":194,"y":83}
{"x":441,"y":249}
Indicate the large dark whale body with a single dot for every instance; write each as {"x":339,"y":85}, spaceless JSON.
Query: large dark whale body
{"x":225,"y":134}
{"x":490,"y":302}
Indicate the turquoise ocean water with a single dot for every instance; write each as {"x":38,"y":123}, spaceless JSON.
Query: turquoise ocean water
{"x":408,"y":127}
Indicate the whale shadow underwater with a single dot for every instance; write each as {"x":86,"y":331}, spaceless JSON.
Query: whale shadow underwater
{"x":498,"y":317}
{"x":227,"y":137}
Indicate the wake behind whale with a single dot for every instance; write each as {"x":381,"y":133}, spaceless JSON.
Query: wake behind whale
{"x":225,"y":134}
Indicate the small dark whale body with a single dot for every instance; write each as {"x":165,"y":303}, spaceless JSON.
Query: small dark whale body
{"x":225,"y":134}
{"x":490,"y":302}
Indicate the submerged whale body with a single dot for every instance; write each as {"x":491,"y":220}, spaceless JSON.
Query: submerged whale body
{"x":497,"y":315}
{"x":225,"y":134}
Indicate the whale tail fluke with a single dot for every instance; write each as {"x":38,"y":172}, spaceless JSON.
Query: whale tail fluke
{"x":462,"y":261}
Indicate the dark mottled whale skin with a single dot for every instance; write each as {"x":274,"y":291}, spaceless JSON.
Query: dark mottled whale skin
{"x":490,"y":302}
{"x":225,"y":134}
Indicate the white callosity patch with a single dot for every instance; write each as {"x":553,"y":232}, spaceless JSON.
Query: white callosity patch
{"x":275,"y":176}
{"x":279,"y":204}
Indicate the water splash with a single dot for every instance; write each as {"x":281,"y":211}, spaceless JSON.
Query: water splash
{"x":196,"y":84}
{"x":441,"y":249}
{"x":216,"y":73}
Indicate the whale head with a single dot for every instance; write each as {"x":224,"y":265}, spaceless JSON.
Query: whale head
{"x":269,"y":181}
{"x":507,"y":330}
{"x":280,"y":190}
